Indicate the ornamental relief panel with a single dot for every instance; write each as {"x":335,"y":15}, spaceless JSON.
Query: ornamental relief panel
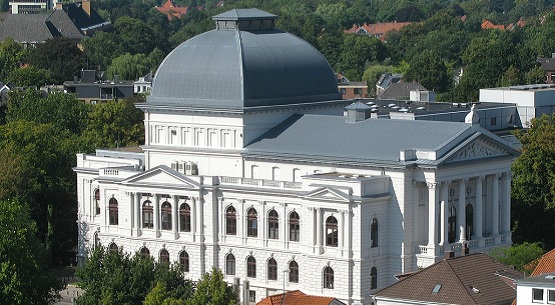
{"x":477,"y":150}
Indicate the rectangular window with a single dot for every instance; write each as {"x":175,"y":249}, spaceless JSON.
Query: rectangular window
{"x":493,"y":121}
{"x":252,"y":296}
{"x":551,"y":296}
{"x":358,"y":90}
{"x":537,"y":295}
{"x":343,"y":90}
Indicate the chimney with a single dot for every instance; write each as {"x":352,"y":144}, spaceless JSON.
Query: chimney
{"x":59,"y":5}
{"x":464,"y":249}
{"x":449,"y":254}
{"x":86,"y":6}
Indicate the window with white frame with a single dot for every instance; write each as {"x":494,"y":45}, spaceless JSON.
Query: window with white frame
{"x":537,"y":295}
{"x":551,"y":296}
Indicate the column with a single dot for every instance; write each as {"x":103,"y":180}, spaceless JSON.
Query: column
{"x":193,"y":204}
{"x":319,"y":225}
{"x":284,"y":225}
{"x":444,"y":214}
{"x":137,"y":214}
{"x":461,"y":213}
{"x":495,"y":206}
{"x":343,"y":230}
{"x":156,"y":215}
{"x":175,"y":219}
{"x":432,"y":214}
{"x":478,"y":211}
{"x":131,"y":211}
{"x":506,"y":208}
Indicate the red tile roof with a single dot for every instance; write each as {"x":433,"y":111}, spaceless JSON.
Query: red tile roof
{"x":170,"y":10}
{"x":297,"y":297}
{"x":486,"y":25}
{"x":474,"y":279}
{"x":379,"y":29}
{"x":546,"y":264}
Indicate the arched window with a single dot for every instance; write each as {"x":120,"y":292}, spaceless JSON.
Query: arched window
{"x":294,"y":227}
{"x":328,"y":278}
{"x":374,"y":232}
{"x":230,"y":264}
{"x":273,"y":225}
{"x":469,"y":221}
{"x":113,"y":211}
{"x":113,"y":247}
{"x":97,"y":201}
{"x":332,"y":233}
{"x":452,"y":225}
{"x":184,"y":261}
{"x":145,"y":252}
{"x":374,"y":278}
{"x":251,"y":267}
{"x":252,"y":224}
{"x":293,"y":272}
{"x":272,"y":269}
{"x":166,"y":213}
{"x":148,"y":218}
{"x":230,"y":221}
{"x":164,"y":257}
{"x":185,"y":218}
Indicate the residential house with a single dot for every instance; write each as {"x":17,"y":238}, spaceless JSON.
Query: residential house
{"x":534,"y":290}
{"x":548,"y":64}
{"x":401,"y":90}
{"x":474,"y":279}
{"x":351,"y":90}
{"x":144,"y":83}
{"x":378,"y":30}
{"x":252,"y":163}
{"x":30,"y":29}
{"x":84,"y":16}
{"x":386,"y":80}
{"x":546,"y":264}
{"x":171,"y":10}
{"x":92,"y":88}
{"x":297,"y":297}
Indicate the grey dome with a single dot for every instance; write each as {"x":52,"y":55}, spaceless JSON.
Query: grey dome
{"x":244,"y":63}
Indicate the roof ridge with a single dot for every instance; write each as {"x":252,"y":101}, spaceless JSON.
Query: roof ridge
{"x":448,"y":261}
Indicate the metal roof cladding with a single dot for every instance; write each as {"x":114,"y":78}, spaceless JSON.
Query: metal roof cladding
{"x":242,"y":64}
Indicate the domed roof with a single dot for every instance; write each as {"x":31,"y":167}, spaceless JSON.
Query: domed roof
{"x":245,"y":62}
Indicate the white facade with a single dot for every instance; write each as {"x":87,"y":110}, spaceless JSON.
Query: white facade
{"x":536,"y":290}
{"x":30,"y":6}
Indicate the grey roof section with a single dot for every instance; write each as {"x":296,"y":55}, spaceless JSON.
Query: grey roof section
{"x":400,"y":90}
{"x":544,"y":278}
{"x":332,"y":138}
{"x":235,"y":69}
{"x":548,"y":64}
{"x":31,"y":28}
{"x":244,"y":14}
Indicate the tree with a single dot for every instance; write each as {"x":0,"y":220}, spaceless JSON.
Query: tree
{"x":213,"y":290}
{"x":511,"y":77}
{"x":135,"y":36}
{"x":533,"y":191}
{"x":114,"y":277}
{"x":373,"y":74}
{"x":29,"y":76}
{"x":24,"y":274}
{"x":100,"y":49}
{"x":519,"y":255}
{"x":59,"y":55}
{"x":536,"y":75}
{"x":429,"y":70}
{"x":357,"y":51}
{"x":114,"y":124}
{"x":11,"y":56}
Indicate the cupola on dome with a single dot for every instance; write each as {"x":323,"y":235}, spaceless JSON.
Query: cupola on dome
{"x":245,"y":62}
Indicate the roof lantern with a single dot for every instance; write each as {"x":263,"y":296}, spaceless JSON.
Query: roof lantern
{"x":245,"y":20}
{"x":357,"y":112}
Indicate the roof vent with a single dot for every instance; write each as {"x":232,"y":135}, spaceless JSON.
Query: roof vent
{"x":357,"y":112}
{"x":550,"y":277}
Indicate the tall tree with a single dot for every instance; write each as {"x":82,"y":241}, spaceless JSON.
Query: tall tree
{"x":429,"y":69}
{"x":213,"y":290}
{"x":24,"y":274}
{"x":59,"y":55}
{"x":12,"y":54}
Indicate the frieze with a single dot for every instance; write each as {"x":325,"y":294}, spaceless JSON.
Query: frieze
{"x":476,"y":150}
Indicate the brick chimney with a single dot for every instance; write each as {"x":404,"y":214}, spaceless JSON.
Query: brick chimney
{"x":86,"y":6}
{"x":59,"y":5}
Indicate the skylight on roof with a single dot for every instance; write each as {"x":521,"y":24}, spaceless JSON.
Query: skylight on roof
{"x":436,"y":289}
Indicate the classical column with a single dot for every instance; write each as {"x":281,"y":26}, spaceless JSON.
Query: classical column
{"x":432,"y":213}
{"x":175,"y":219}
{"x":137,"y":214}
{"x":444,"y":213}
{"x":284,"y":226}
{"x":343,"y":230}
{"x":478,"y":218}
{"x":319,"y":225}
{"x":156,"y":214}
{"x":131,"y":211}
{"x":506,"y":207}
{"x":495,"y":206}
{"x":461,"y":215}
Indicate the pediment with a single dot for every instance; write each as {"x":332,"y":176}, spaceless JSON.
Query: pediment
{"x":161,"y":175}
{"x":479,"y":148}
{"x":327,"y":194}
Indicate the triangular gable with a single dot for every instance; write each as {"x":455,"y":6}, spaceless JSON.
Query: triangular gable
{"x":161,"y":175}
{"x":327,"y":194}
{"x":479,"y":147}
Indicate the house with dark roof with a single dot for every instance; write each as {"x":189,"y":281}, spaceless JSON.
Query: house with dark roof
{"x":30,"y":29}
{"x":400,"y":90}
{"x":539,"y":289}
{"x":548,"y":64}
{"x":297,"y":297}
{"x":474,"y":279}
{"x":92,"y":88}
{"x":349,"y":89}
{"x":84,"y":16}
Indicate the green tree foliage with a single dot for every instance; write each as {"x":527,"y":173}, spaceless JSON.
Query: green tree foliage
{"x":29,"y":77}
{"x":536,"y":75}
{"x":24,"y":274}
{"x":131,"y":67}
{"x":11,"y":56}
{"x":521,"y":256}
{"x":113,"y":277}
{"x":357,"y":51}
{"x":372,"y":75}
{"x":59,"y":55}
{"x":100,"y":49}
{"x":114,"y":123}
{"x":428,"y":69}
{"x":511,"y":77}
{"x":213,"y":290}
{"x":533,"y":190}
{"x":135,"y":36}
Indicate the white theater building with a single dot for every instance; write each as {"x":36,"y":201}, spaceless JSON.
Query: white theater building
{"x":251,"y":165}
